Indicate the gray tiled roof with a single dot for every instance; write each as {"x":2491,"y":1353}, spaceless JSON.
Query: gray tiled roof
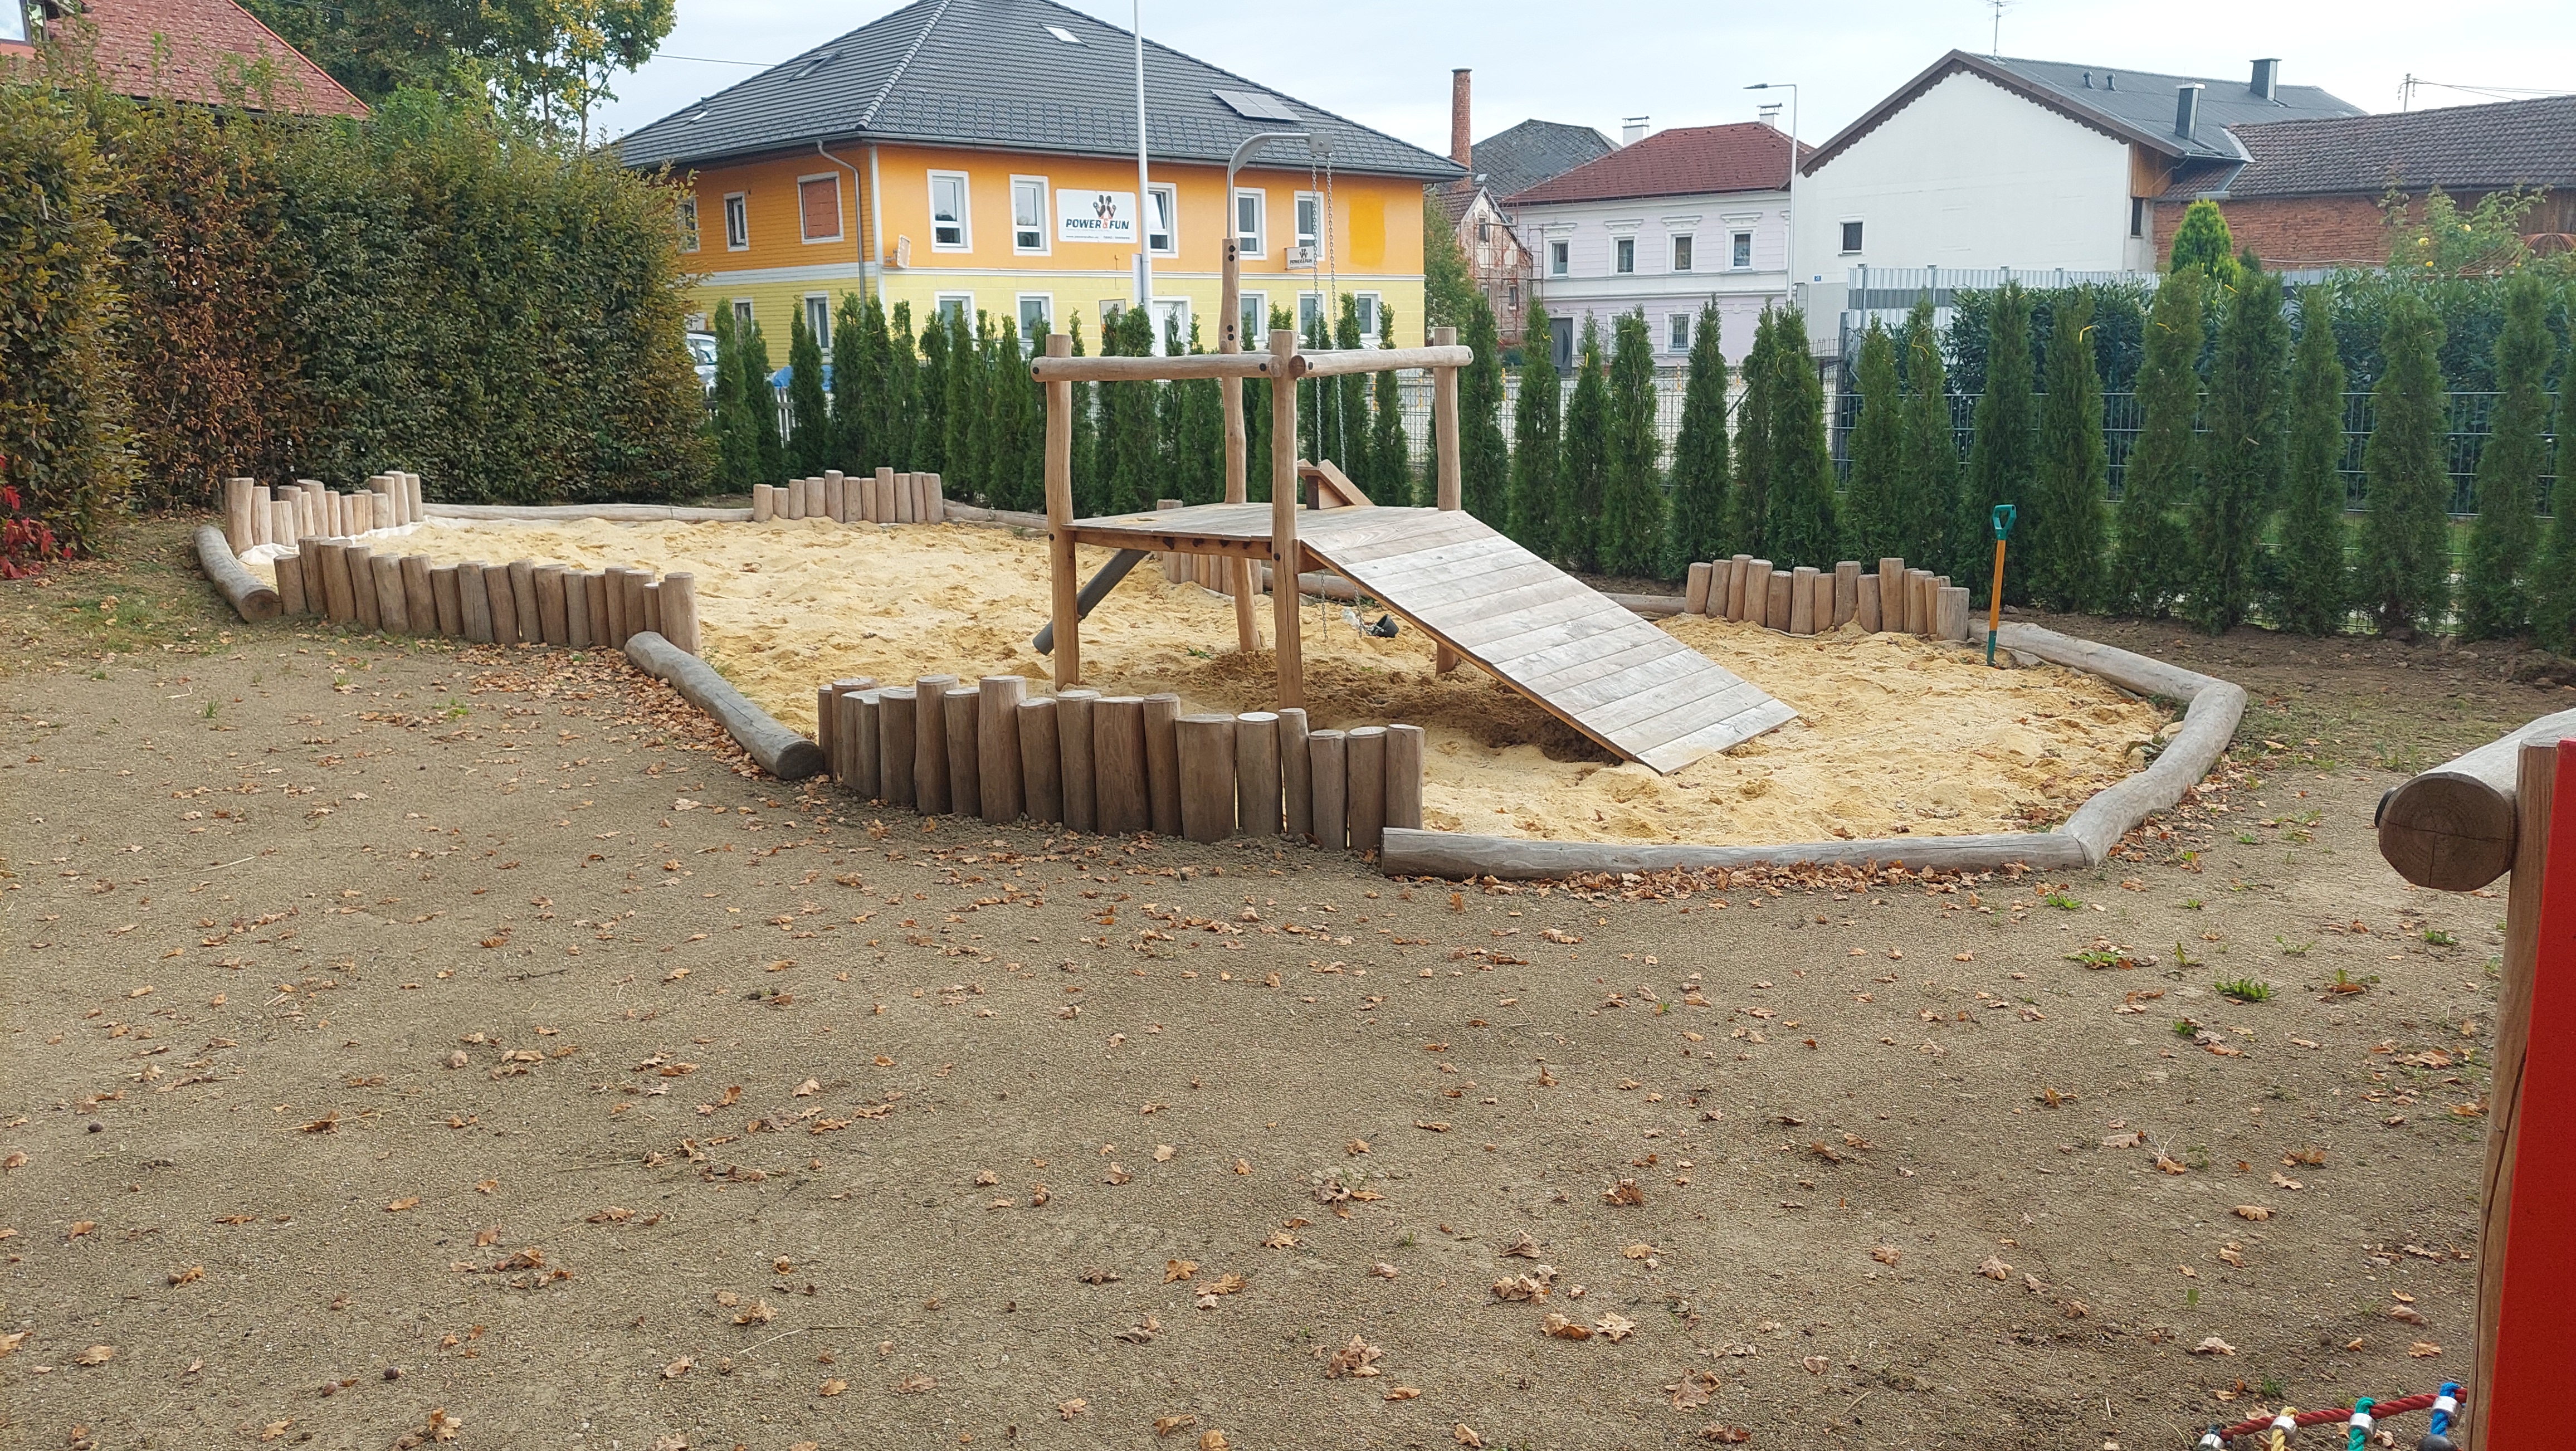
{"x":2510,"y":143}
{"x":2145,"y":100}
{"x":1521,"y":157}
{"x":989,"y":73}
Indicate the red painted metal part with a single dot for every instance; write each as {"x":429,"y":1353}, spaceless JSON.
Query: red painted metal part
{"x":2524,"y":1394}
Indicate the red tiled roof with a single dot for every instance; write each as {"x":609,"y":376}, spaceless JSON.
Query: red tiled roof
{"x":208,"y":51}
{"x":2508,"y":143}
{"x":1685,"y":161}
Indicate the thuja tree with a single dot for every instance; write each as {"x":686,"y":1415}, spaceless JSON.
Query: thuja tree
{"x":1018,"y":464}
{"x":2001,"y":456}
{"x":1799,"y":525}
{"x":2553,"y":594}
{"x":2241,"y":461}
{"x":1698,"y":527}
{"x":1127,"y":420}
{"x":2405,"y":556}
{"x":962,"y":474}
{"x":2063,"y":525}
{"x":2315,"y":590}
{"x":1938,"y":527}
{"x":760,"y":401}
{"x":2203,"y":244}
{"x":1201,"y":461}
{"x":1632,"y":500}
{"x":1484,"y":462}
{"x":930,"y":397}
{"x":1390,"y":457}
{"x":2151,"y":563}
{"x":852,"y":430}
{"x":1585,"y":476}
{"x":737,"y":444}
{"x":2495,"y":588}
{"x":1087,"y":495}
{"x":1537,"y":421}
{"x":809,"y":439}
{"x":1877,"y":517}
{"x":1752,"y":502}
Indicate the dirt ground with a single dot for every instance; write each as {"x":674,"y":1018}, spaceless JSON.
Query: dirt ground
{"x":406,"y":1039}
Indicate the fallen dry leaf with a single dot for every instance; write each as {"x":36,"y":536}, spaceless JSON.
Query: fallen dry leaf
{"x":2256,"y":1212}
{"x":1175,"y":1271}
{"x":1355,"y":1359}
{"x":1402,"y":1393}
{"x":1166,"y":1425}
{"x":1623,"y":1192}
{"x":1994,"y":1269}
{"x":1692,"y":1391}
{"x":1384,"y":1271}
{"x":1887,"y":1254}
{"x":1615,"y":1327}
{"x":96,"y":1355}
{"x":913,"y":1385}
{"x":405,"y":1203}
{"x":2212,"y":1345}
{"x":832,"y":1387}
{"x":1465,"y":1435}
{"x":188,"y":1276}
{"x":1563,"y":1329}
{"x":2423,"y":1350}
{"x":1072,"y":1408}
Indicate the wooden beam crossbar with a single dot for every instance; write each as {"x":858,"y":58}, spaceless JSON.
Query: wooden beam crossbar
{"x":1051,"y":369}
{"x":1376,"y":360}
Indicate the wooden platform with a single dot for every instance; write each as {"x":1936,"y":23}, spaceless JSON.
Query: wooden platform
{"x":1591,"y":663}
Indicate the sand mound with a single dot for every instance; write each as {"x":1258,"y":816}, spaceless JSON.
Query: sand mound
{"x":1894,"y":733}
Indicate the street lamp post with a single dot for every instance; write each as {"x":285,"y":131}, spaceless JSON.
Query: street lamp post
{"x":1789,"y":253}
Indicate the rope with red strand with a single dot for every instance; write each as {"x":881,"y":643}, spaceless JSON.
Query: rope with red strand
{"x":2224,"y":1434}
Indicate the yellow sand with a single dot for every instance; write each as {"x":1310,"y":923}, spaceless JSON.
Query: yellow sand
{"x":1894,"y":732}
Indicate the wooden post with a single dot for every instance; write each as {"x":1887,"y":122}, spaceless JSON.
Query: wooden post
{"x":1256,"y":772}
{"x":1846,"y":592}
{"x":1822,"y":586}
{"x":630,"y":602}
{"x":1802,"y":600}
{"x":255,"y":517}
{"x":474,"y":601}
{"x":523,"y":599}
{"x":1951,"y":614}
{"x":328,"y":586}
{"x":1206,"y":756}
{"x":934,"y":499}
{"x":907,"y":495}
{"x":1775,"y":613}
{"x":1756,"y":603}
{"x":930,"y":744}
{"x":790,"y":500}
{"x":1075,"y":714}
{"x":1118,"y":764}
{"x":1163,"y":762}
{"x":1404,"y":745}
{"x":1918,"y":602}
{"x":836,"y":497}
{"x":290,"y":584}
{"x":2526,"y":1302}
{"x":420,"y":603}
{"x":594,"y":586}
{"x":505,"y":605}
{"x":653,"y":606}
{"x":865,"y":715}
{"x":1285,"y":624}
{"x":960,"y":712}
{"x":997,"y":737}
{"x":842,"y":756}
{"x":898,"y":719}
{"x":362,"y":514}
{"x":393,"y":606}
{"x":1695,"y":591}
{"x":827,"y":727}
{"x":369,"y":608}
{"x":1739,"y":574}
{"x":764,"y":503}
{"x":237,"y":513}
{"x":1327,"y":765}
{"x":1891,"y":594}
{"x":447,"y":601}
{"x":1866,"y":610}
{"x":2453,"y":827}
{"x":1296,"y":775}
{"x":552,"y":612}
{"x":1059,"y":506}
{"x":1231,"y":573}
{"x":1366,"y":784}
{"x":881,"y":494}
{"x":1444,"y":440}
{"x":1041,"y":761}
{"x":680,"y":610}
{"x":282,"y":525}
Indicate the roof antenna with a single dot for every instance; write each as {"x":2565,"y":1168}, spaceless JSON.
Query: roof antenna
{"x":1995,"y":46}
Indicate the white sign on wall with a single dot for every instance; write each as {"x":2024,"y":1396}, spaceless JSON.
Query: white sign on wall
{"x":1095,"y":216}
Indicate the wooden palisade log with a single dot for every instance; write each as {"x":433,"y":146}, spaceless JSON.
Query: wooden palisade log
{"x":1256,"y":772}
{"x":1206,"y":757}
{"x":2454,"y":828}
{"x":962,"y":713}
{"x":1076,"y":711}
{"x":1403,"y":792}
{"x":680,"y":610}
{"x":1163,"y":762}
{"x":898,"y":721}
{"x":997,"y":737}
{"x":1118,"y":765}
{"x":764,"y":503}
{"x":1041,"y":762}
{"x":1846,"y":592}
{"x":1695,"y":589}
{"x":1757,"y":592}
{"x":1296,"y":775}
{"x":553,"y":616}
{"x":1739,"y":575}
{"x":1367,"y":787}
{"x":420,"y":602}
{"x":1951,"y":613}
{"x":1782,"y":585}
{"x":780,"y":751}
{"x":290,"y":584}
{"x":1327,"y":769}
{"x":576,"y":600}
{"x":1866,"y":614}
{"x":369,"y":607}
{"x":474,"y":601}
{"x":594,"y":584}
{"x":930,"y":744}
{"x":506,"y":625}
{"x":1802,"y":600}
{"x":448,"y":601}
{"x":393,"y":609}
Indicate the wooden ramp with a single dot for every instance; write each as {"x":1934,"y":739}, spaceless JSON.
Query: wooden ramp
{"x":1591,"y":663}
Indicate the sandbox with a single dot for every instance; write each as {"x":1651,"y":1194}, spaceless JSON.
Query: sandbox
{"x":1896,"y":736}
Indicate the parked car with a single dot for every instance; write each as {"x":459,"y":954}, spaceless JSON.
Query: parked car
{"x":702,"y":351}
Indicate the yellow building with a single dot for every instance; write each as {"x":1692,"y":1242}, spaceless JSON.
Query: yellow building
{"x":981,"y":155}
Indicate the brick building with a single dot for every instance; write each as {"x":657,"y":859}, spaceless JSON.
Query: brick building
{"x":1498,"y":259}
{"x":2310,"y":193}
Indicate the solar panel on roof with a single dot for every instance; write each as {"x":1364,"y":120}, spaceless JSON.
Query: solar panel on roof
{"x":1254,"y":106}
{"x":1067,"y":36}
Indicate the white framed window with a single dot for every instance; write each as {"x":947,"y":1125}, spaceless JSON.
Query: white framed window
{"x":1310,"y":208}
{"x":1851,"y":237}
{"x":688,"y":224}
{"x":1310,"y":307}
{"x":956,"y":307}
{"x":1163,"y":220}
{"x":818,"y":207}
{"x":1680,"y":326}
{"x":1171,"y":320}
{"x":818,"y":319}
{"x":1253,"y":323}
{"x":737,"y":221}
{"x":1111,"y":310}
{"x":1740,"y":251}
{"x":1366,"y":305}
{"x":1682,"y":253}
{"x":1250,"y":226}
{"x":951,"y":224}
{"x":742,"y":312}
{"x":1037,"y":319}
{"x":1556,"y":257}
{"x":1029,"y":215}
{"x":1623,"y":254}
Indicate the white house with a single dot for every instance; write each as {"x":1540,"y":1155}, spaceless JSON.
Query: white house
{"x":1985,"y":162}
{"x":1665,"y":223}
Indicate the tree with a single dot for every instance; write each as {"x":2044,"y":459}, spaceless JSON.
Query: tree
{"x":1631,"y":533}
{"x":2000,"y":458}
{"x":2202,"y":243}
{"x":930,"y":397}
{"x":1698,"y":531}
{"x":1201,"y":461}
{"x":1447,"y":284}
{"x":984,"y":435}
{"x":2315,"y":590}
{"x":2405,"y":556}
{"x":1389,"y":458}
{"x":2152,"y":560}
{"x":2242,"y":460}
{"x":2553,"y":597}
{"x":1537,"y":423}
{"x":737,"y":441}
{"x":1753,"y":441}
{"x":2495,"y":591}
{"x":1484,"y":460}
{"x":1799,"y":526}
{"x":960,"y":474}
{"x":1018,"y":466}
{"x":1127,"y":419}
{"x":1878,"y":518}
{"x":809,"y":445}
{"x":760,"y":401}
{"x":1089,"y":497}
{"x":854,"y":366}
{"x":1585,"y":477}
{"x":2064,"y":520}
{"x":1939,"y":526}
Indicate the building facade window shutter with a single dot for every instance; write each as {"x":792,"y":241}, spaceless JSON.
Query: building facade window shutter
{"x":818,"y":203}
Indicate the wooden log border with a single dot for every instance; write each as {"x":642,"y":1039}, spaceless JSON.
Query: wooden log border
{"x":780,"y":751}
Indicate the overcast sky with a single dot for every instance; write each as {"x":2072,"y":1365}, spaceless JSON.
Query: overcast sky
{"x":1685,"y":62}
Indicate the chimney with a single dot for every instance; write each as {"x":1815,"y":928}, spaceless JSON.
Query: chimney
{"x":1632,"y":131}
{"x":2267,"y":79}
{"x":2186,"y":108}
{"x":1460,"y":146}
{"x":1771,"y":114}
